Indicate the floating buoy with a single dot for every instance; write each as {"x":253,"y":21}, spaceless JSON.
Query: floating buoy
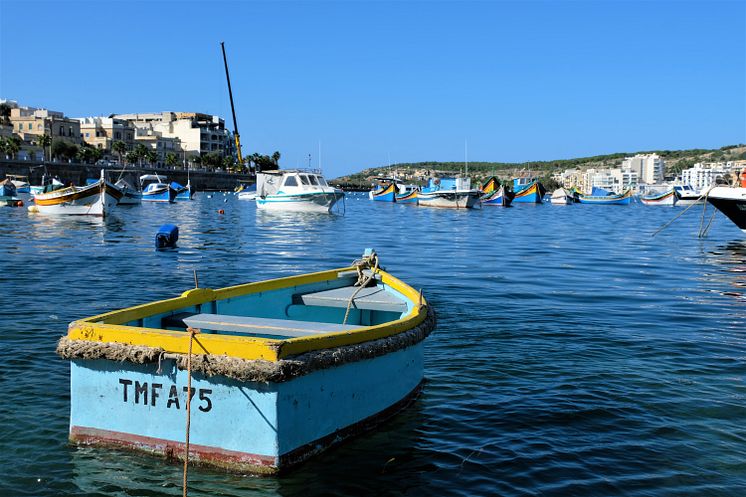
{"x":225,"y":201}
{"x":209,"y":196}
{"x":221,"y":211}
{"x":167,"y":236}
{"x":33,"y":208}
{"x":20,"y":203}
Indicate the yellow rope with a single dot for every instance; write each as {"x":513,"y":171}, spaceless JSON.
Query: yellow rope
{"x":192,"y":332}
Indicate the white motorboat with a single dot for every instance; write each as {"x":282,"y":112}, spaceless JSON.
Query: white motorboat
{"x":561,"y":197}
{"x":297,"y":190}
{"x":453,"y":193}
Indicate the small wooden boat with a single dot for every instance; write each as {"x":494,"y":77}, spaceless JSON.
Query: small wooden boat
{"x":614,"y":199}
{"x":560,"y":196}
{"x":21,"y":183}
{"x":130,"y":195}
{"x":384,"y":190}
{"x":667,"y":197}
{"x":280,"y":370}
{"x":155,"y":189}
{"x":182,"y":192}
{"x":96,"y":199}
{"x":409,"y":196}
{"x":528,"y":190}
{"x":500,"y":197}
{"x":7,"y":188}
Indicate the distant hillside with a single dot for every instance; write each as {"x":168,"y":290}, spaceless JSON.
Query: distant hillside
{"x":676,"y":160}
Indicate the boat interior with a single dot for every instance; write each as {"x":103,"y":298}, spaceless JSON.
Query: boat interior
{"x":284,"y":312}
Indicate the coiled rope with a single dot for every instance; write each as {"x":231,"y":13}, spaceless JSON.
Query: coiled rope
{"x":362,"y":280}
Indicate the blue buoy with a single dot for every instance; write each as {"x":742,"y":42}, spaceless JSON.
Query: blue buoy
{"x":167,"y":236}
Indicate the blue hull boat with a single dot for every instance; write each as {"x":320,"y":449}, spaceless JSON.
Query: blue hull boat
{"x":384,"y":194}
{"x":618,"y":199}
{"x":528,"y":191}
{"x":182,"y":192}
{"x":279,"y":369}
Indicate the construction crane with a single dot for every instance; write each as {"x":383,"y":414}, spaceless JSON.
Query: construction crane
{"x":233,"y":109}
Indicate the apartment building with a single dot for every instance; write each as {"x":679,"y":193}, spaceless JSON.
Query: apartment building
{"x":29,"y":122}
{"x":102,"y":132}
{"x":198,"y":133}
{"x":649,"y":168}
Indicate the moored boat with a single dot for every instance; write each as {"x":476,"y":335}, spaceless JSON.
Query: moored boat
{"x":560,"y":196}
{"x":449,"y":192}
{"x":298,"y":190}
{"x":155,"y":189}
{"x":384,"y":190}
{"x":280,"y":369}
{"x":408,"y":196}
{"x":731,"y":201}
{"x":528,"y":190}
{"x":130,"y":195}
{"x":498,"y":198}
{"x":96,"y":199}
{"x":20,"y":182}
{"x":614,"y":199}
{"x":686,"y":195}
{"x":182,"y":192}
{"x":667,"y":197}
{"x":7,"y":188}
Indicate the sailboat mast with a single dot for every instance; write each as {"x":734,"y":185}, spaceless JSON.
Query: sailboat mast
{"x":233,"y":109}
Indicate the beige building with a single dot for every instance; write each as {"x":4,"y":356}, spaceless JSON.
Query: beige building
{"x":161,"y":145}
{"x":102,"y":132}
{"x":28,"y":123}
{"x":197,"y":133}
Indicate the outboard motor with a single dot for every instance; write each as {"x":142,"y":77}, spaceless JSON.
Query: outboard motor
{"x":166,"y":237}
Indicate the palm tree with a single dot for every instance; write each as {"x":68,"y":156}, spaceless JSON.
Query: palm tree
{"x":141,"y":152}
{"x":151,"y":156}
{"x":12,"y":146}
{"x":120,"y":148}
{"x":44,"y":141}
{"x":276,"y":158}
{"x":171,"y":159}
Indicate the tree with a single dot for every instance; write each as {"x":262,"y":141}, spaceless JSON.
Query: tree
{"x":5,"y":113}
{"x":44,"y":141}
{"x":151,"y":156}
{"x":120,"y":148}
{"x":12,"y":146}
{"x":131,"y":157}
{"x":276,"y":158}
{"x":140,"y":152}
{"x":171,"y":159}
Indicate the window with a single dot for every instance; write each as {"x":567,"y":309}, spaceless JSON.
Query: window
{"x":304,"y":179}
{"x":322,"y":181}
{"x":290,"y":181}
{"x":117,"y":135}
{"x":313,"y":179}
{"x":87,"y":135}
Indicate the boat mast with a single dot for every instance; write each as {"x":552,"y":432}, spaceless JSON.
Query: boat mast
{"x":233,"y":109}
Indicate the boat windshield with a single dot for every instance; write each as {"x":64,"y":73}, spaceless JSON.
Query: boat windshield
{"x":312,"y":178}
{"x":304,"y":179}
{"x":322,"y":181}
{"x":290,"y":181}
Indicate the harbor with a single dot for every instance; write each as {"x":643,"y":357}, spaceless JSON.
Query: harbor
{"x":586,"y":347}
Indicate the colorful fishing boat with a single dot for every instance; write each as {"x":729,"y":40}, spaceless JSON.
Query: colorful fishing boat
{"x":667,"y":197}
{"x":731,"y":201}
{"x":384,"y":190}
{"x":449,"y":192}
{"x":279,"y":369}
{"x":297,"y":190}
{"x":7,"y":188}
{"x":155,"y":189}
{"x":613,"y":199}
{"x":130,"y":195}
{"x":96,"y":199}
{"x":410,"y":195}
{"x":182,"y":192}
{"x":495,"y":194}
{"x":528,"y":190}
{"x":20,"y":182}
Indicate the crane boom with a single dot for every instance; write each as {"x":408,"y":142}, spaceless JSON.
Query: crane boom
{"x":233,"y":109}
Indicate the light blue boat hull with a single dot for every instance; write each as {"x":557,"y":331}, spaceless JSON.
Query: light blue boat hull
{"x":237,"y":425}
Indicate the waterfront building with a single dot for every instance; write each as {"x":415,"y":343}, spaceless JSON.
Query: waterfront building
{"x":161,"y":145}
{"x":198,"y":133}
{"x":650,"y":168}
{"x":102,"y":132}
{"x":29,"y":122}
{"x":703,"y":175}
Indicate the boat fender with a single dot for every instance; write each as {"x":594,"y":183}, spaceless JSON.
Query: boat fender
{"x":167,"y":236}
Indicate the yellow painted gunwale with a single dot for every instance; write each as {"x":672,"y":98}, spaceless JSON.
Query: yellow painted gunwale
{"x":109,"y":327}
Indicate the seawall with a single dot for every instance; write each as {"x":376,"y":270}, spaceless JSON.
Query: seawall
{"x":78,"y":173}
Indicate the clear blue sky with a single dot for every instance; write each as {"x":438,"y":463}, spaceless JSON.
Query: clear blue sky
{"x":409,"y":81}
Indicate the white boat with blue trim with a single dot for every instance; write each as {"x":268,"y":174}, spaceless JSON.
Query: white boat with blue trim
{"x":280,"y":369}
{"x":298,"y":190}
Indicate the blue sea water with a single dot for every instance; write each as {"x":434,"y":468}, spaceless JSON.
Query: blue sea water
{"x":575,"y":354}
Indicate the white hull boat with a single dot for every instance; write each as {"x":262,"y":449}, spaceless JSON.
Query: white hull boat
{"x":96,"y":199}
{"x":295,"y":191}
